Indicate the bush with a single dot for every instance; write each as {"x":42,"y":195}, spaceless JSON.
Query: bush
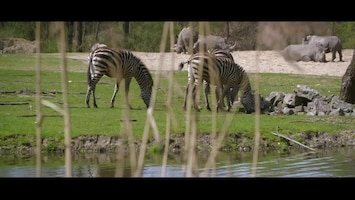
{"x":147,"y":36}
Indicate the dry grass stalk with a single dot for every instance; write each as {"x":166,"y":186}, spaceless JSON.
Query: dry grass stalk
{"x":170,"y":114}
{"x":67,"y":126}
{"x":38,"y":101}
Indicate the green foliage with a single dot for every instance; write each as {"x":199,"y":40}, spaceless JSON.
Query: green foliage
{"x":146,"y":36}
{"x":18,"y":29}
{"x":51,"y":46}
{"x":346,"y":32}
{"x":156,"y":149}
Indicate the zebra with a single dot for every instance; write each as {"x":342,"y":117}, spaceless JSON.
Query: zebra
{"x":119,"y":64}
{"x":225,"y":74}
{"x":216,"y":53}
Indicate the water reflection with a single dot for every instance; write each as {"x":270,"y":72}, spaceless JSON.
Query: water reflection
{"x":327,"y":163}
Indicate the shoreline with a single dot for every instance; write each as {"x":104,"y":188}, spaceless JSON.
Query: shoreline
{"x":233,"y":142}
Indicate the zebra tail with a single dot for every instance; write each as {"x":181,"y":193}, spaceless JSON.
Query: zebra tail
{"x":181,"y":65}
{"x":88,"y":73}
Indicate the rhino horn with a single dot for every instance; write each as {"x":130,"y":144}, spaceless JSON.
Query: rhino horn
{"x":174,"y":47}
{"x":231,"y":48}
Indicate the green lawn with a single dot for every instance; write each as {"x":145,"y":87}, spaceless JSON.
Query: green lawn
{"x":17,"y":85}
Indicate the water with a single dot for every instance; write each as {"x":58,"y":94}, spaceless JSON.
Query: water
{"x":326,"y":163}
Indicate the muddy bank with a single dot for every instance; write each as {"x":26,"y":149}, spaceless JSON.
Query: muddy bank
{"x":232,"y":142}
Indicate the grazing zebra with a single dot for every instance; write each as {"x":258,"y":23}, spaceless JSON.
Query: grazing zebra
{"x":217,"y":53}
{"x":206,"y":85}
{"x":225,"y":74}
{"x":220,"y":53}
{"x":119,"y":64}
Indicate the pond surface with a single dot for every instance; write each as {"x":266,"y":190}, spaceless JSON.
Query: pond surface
{"x":323,"y":163}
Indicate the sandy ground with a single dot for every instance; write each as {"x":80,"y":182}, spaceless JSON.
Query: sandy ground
{"x":257,"y":61}
{"x":252,"y":61}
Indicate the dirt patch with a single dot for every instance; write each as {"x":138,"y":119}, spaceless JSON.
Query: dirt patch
{"x":251,"y":61}
{"x":232,"y":142}
{"x":17,"y":45}
{"x":257,"y":61}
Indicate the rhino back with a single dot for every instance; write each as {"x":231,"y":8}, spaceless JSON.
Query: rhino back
{"x":303,"y":52}
{"x":211,"y":42}
{"x":331,"y":42}
{"x":184,"y":39}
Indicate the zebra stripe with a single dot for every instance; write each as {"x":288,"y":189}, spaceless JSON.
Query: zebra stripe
{"x":225,"y":74}
{"x":206,"y":85}
{"x":119,"y":64}
{"x":218,"y":53}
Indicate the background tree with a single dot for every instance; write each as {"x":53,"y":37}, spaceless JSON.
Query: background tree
{"x":70,"y":34}
{"x":125,"y":27}
{"x":79,"y":37}
{"x":347,"y":92}
{"x":145,"y":36}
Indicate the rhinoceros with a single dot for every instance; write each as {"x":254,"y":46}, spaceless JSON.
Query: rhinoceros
{"x":331,"y":43}
{"x":183,"y":41}
{"x":213,"y":42}
{"x":304,"y":52}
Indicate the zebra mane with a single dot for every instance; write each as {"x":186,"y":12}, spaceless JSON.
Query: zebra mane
{"x":181,"y":64}
{"x":245,"y":82}
{"x":97,"y":45}
{"x":144,"y":69}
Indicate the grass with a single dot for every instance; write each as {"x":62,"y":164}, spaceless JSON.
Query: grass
{"x":17,"y":84}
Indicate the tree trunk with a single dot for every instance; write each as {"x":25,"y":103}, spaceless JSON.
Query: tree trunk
{"x":126,"y":28}
{"x":70,"y":35}
{"x":228,"y":30}
{"x":125,"y":33}
{"x":97,"y":31}
{"x":79,"y":37}
{"x":347,"y":92}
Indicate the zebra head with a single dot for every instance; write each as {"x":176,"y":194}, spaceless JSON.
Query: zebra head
{"x":248,"y":101}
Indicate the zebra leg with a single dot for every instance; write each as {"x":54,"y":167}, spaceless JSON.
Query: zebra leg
{"x":232,"y":93}
{"x":117,"y":86}
{"x":91,"y":89}
{"x":88,"y":94}
{"x":207,"y":90}
{"x":186,"y":95}
{"x":195,"y":95}
{"x":94,"y":97}
{"x":229,"y":99}
{"x":127,"y":84}
{"x":220,"y":97}
{"x":190,"y":81}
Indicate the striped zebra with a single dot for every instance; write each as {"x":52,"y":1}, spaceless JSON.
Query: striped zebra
{"x":119,"y":64}
{"x":206,"y":85}
{"x":218,"y":53}
{"x":225,"y":74}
